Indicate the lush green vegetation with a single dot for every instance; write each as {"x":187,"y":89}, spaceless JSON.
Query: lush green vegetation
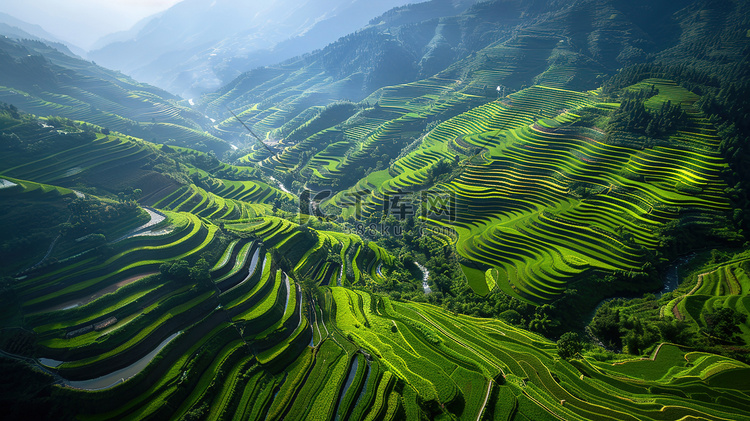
{"x":42,"y":80}
{"x":436,"y":246}
{"x":706,"y":312}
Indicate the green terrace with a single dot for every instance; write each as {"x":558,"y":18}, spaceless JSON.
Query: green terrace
{"x":263,"y":348}
{"x":88,"y":157}
{"x":86,"y":274}
{"x":698,"y":131}
{"x":65,"y":223}
{"x":274,"y":107}
{"x":233,"y":204}
{"x":469,"y":365}
{"x":270,"y":331}
{"x":400,"y":112}
{"x":75,"y":103}
{"x":324,"y":257}
{"x":550,"y":200}
{"x":717,"y":287}
{"x":136,"y":112}
{"x":505,"y":62}
{"x":444,"y":142}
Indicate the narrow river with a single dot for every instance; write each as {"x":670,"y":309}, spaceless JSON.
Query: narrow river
{"x":425,"y":275}
{"x":281,"y":186}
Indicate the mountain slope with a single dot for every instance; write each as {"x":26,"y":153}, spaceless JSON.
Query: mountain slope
{"x":509,"y":43}
{"x":40,"y":79}
{"x":199,"y":45}
{"x":484,"y":187}
{"x":18,"y":29}
{"x":515,"y":203}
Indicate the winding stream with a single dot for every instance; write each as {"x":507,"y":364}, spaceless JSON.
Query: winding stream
{"x":281,"y":186}
{"x":425,"y":275}
{"x":671,"y":276}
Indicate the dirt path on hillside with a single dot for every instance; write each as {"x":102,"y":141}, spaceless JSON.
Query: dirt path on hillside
{"x":486,"y":398}
{"x":676,"y":311}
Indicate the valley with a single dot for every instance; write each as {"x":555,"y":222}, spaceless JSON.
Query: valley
{"x":434,"y":217}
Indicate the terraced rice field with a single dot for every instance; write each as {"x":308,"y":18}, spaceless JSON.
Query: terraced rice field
{"x":473,"y":366}
{"x":88,"y":157}
{"x":401,"y":111}
{"x":271,"y":331}
{"x":132,"y":256}
{"x":232,"y":202}
{"x":308,"y":252}
{"x":112,"y":106}
{"x":726,"y":285}
{"x":543,"y":200}
{"x":346,"y":355}
{"x":514,"y":207}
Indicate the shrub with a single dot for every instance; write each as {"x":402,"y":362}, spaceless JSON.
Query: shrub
{"x":569,"y":345}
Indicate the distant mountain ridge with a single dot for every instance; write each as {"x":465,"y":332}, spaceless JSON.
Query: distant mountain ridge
{"x":199,"y":45}
{"x":483,"y":44}
{"x":40,"y":79}
{"x":18,"y":29}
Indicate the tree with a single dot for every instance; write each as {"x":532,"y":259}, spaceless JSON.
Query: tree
{"x":724,"y":323}
{"x":309,"y":286}
{"x":606,"y":325}
{"x":200,"y":271}
{"x":175,"y":270}
{"x":569,"y":345}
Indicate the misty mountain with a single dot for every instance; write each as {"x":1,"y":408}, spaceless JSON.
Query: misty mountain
{"x":199,"y":45}
{"x":15,"y":28}
{"x":511,"y":43}
{"x":39,"y":79}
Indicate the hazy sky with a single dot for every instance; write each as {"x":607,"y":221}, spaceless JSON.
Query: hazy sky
{"x":82,"y":22}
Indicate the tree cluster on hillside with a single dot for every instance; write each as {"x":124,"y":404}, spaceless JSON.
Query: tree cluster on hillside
{"x":40,"y":134}
{"x":725,"y":99}
{"x":636,"y":326}
{"x":90,"y":215}
{"x":634,"y":117}
{"x":569,"y":345}
{"x":724,"y":324}
{"x":183,"y":272}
